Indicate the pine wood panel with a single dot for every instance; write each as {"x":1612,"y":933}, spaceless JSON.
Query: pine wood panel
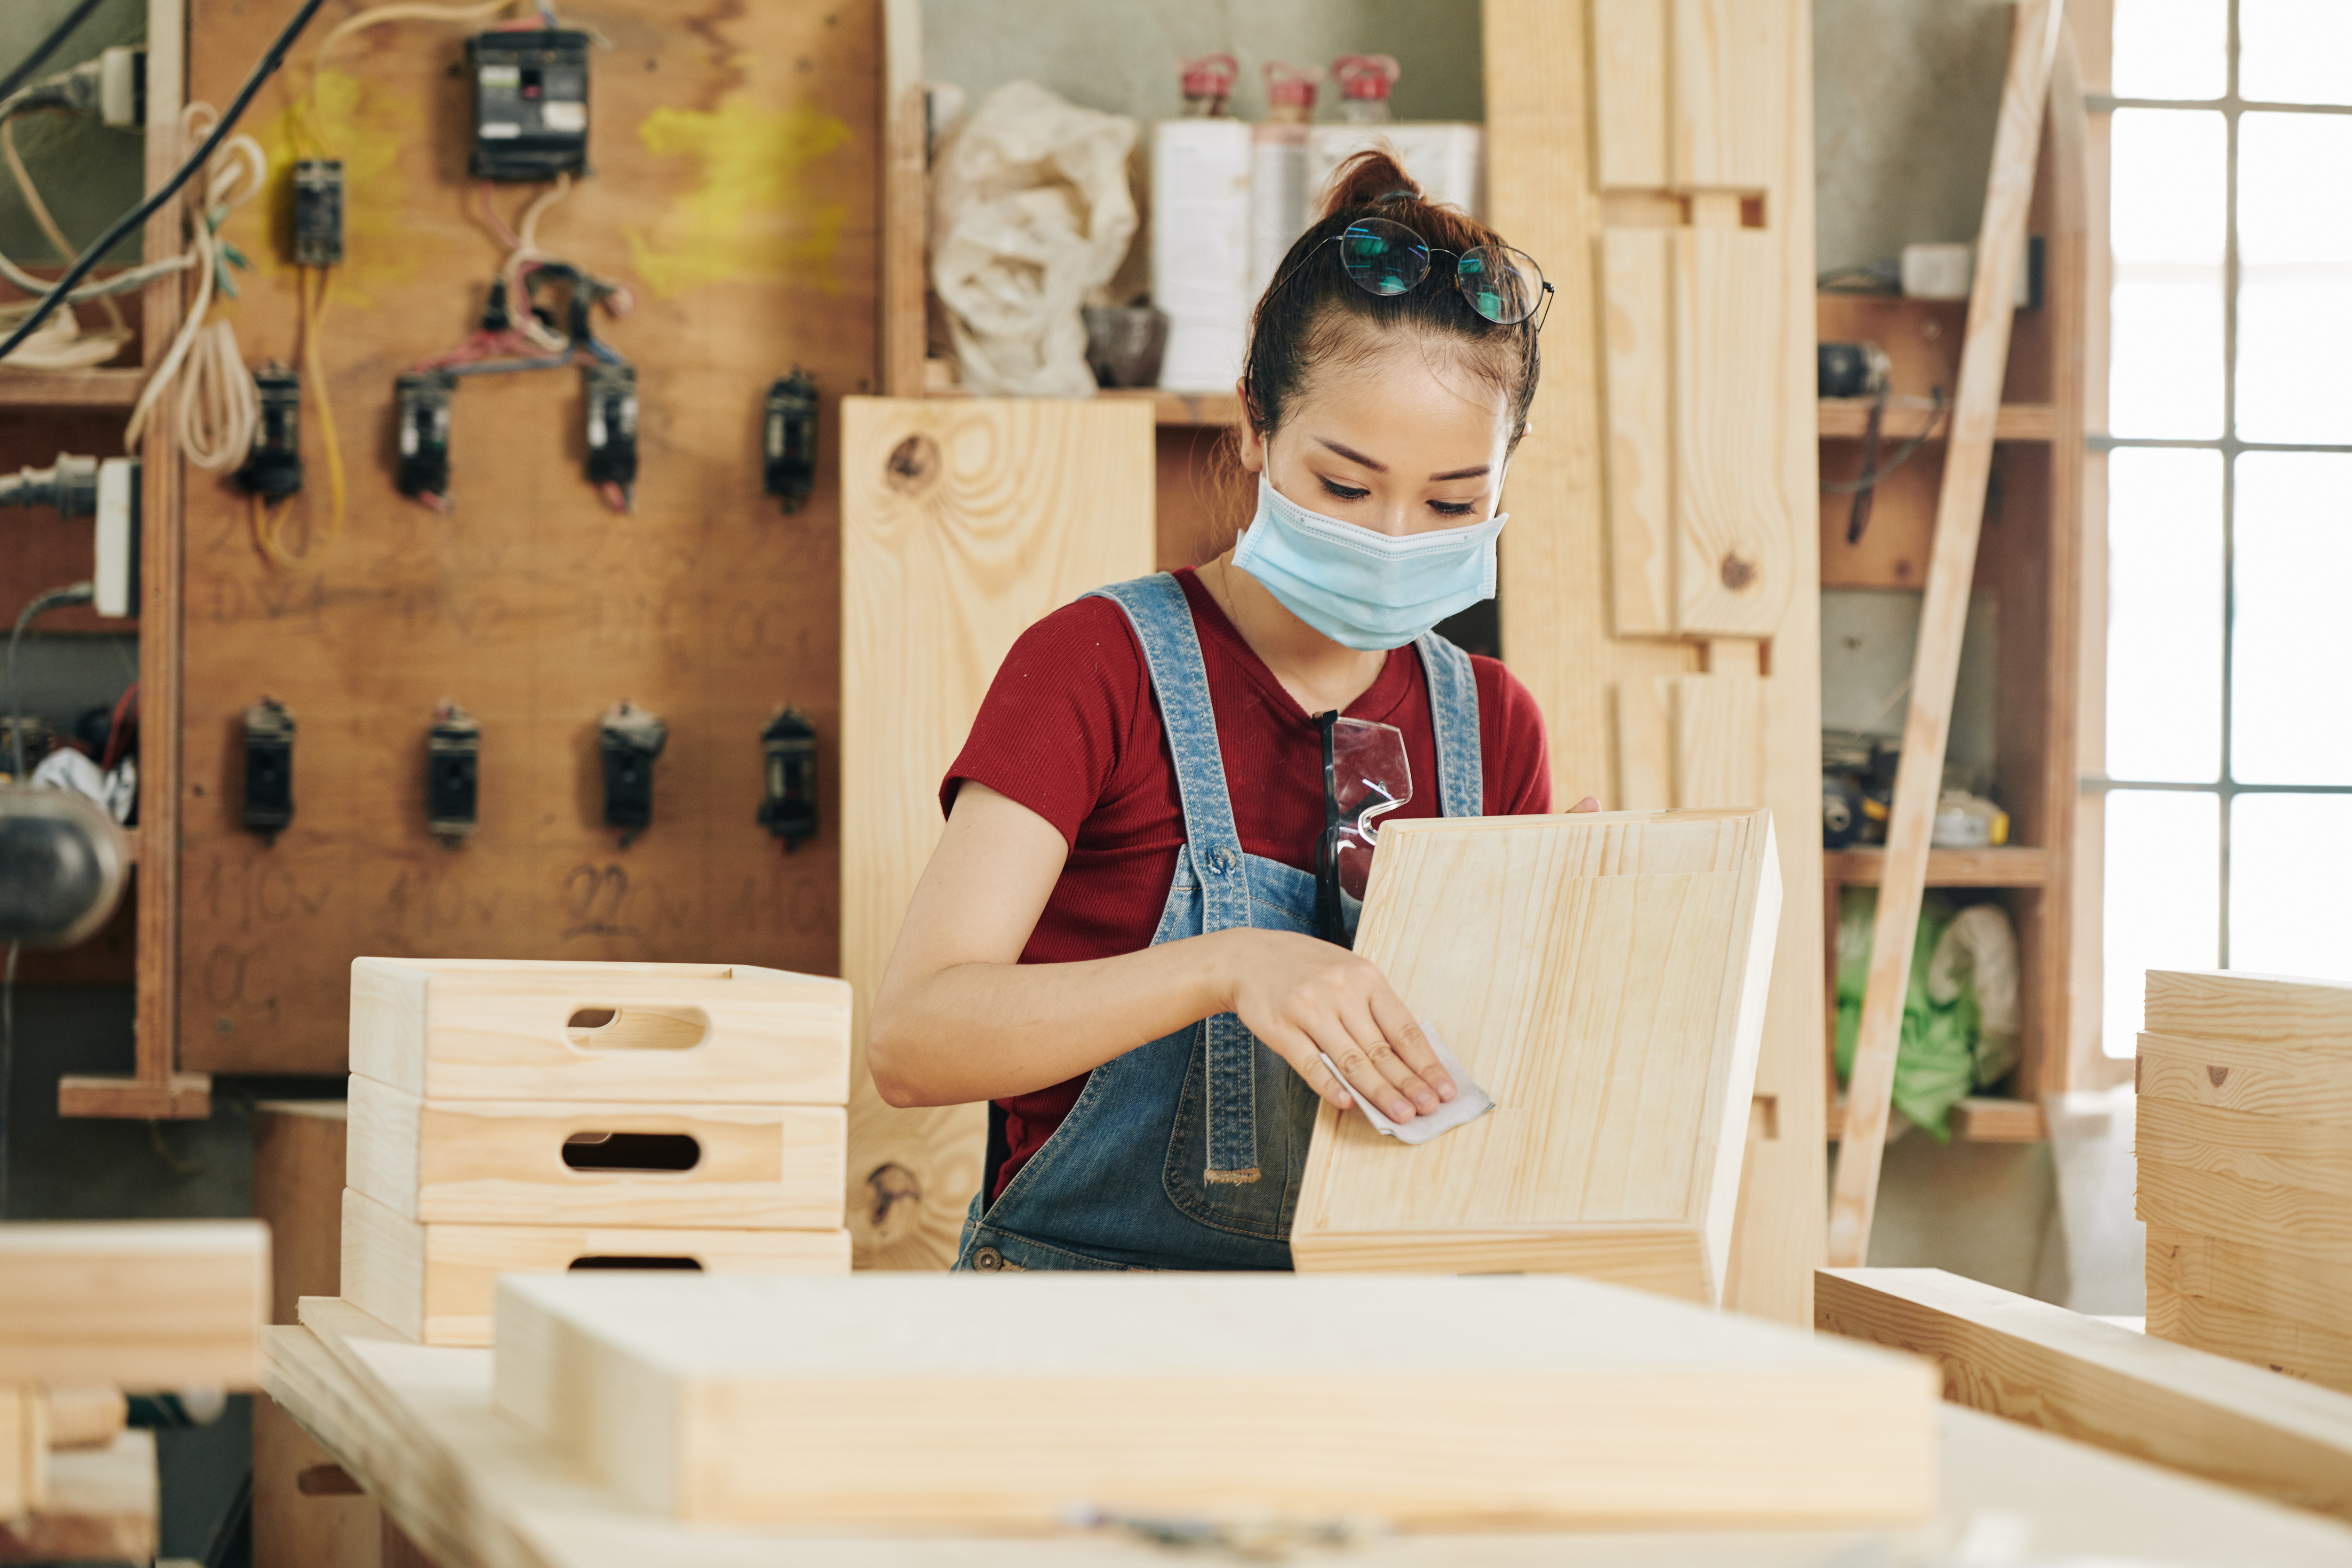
{"x":2281,"y":1013}
{"x":102,"y":1507}
{"x":2306,"y":1224}
{"x":2307,"y":1085}
{"x":1730,"y":106}
{"x":1637,"y":359}
{"x":1602,"y":977}
{"x":2312,"y":1155}
{"x":24,"y":1451}
{"x":299,"y":1151}
{"x":1629,"y":133}
{"x":2299,"y":1349}
{"x":1718,"y":740}
{"x":964,"y":522}
{"x":735,"y":185}
{"x":502,"y":1161}
{"x":2245,"y":1277}
{"x":2012,"y":1356}
{"x":437,"y":1282}
{"x":1735,"y":536}
{"x":492,"y":1029}
{"x":144,"y":1304}
{"x":1162,"y":1395}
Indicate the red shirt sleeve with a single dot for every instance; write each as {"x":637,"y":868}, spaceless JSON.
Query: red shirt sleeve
{"x":1513,"y":754}
{"x":1057,"y":717}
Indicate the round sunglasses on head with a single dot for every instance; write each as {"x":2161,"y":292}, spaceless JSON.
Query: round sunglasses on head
{"x":1384,"y":258}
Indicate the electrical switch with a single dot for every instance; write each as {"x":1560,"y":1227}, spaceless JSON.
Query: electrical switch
{"x":790,"y":443}
{"x":787,"y":803}
{"x":630,"y":738}
{"x":422,"y":400}
{"x":530,"y":103}
{"x":319,"y":211}
{"x":268,"y":769}
{"x":273,"y":467}
{"x":453,"y":751}
{"x":610,"y":392}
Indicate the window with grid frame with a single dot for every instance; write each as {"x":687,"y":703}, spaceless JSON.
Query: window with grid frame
{"x":2229,"y":722}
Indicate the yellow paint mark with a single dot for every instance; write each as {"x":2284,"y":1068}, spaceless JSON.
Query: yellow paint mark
{"x":365,"y":127}
{"x":752,"y":217}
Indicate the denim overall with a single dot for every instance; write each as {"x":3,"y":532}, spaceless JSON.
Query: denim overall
{"x":1186,"y":1152}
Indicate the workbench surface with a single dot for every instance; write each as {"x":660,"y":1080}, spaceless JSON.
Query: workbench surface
{"x":414,"y":1426}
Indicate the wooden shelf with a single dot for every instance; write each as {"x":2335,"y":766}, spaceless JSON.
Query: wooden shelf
{"x":71,"y":388}
{"x":1167,"y":407}
{"x":1846,"y":418}
{"x":1977,"y":1119}
{"x":2016,"y":865}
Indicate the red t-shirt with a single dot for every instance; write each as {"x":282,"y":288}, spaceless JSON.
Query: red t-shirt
{"x":1071,"y":729}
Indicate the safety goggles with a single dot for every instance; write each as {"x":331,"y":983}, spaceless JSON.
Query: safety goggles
{"x":1365,"y":776}
{"x":1384,"y":258}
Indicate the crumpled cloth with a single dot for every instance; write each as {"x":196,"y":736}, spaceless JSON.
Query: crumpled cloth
{"x":1469,"y":1101}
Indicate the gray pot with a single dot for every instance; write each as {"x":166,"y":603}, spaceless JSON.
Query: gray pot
{"x":1124,"y":343}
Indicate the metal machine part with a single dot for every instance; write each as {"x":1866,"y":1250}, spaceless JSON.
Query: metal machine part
{"x":63,"y":866}
{"x":788,"y":801}
{"x":268,"y":769}
{"x":453,"y":752}
{"x":1852,"y":370}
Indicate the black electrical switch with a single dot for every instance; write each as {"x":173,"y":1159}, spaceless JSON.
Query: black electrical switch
{"x":610,"y":392}
{"x":630,"y":738}
{"x":530,"y":103}
{"x":787,"y":803}
{"x":268,"y":769}
{"x":453,"y":751}
{"x":790,"y":443}
{"x":319,"y":211}
{"x":273,"y":467}
{"x":423,"y":402}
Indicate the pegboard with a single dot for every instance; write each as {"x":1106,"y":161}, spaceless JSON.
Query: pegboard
{"x":733,"y":190}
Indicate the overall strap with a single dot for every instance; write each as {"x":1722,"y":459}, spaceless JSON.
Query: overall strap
{"x":1453,"y":713}
{"x":1162,"y":618}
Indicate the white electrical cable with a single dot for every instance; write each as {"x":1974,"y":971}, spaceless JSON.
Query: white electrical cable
{"x":217,"y":407}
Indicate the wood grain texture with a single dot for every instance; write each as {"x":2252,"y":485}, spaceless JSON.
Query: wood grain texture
{"x":24,"y":1449}
{"x":964,"y":522}
{"x":1645,"y":744}
{"x":435,"y":1281}
{"x":1731,"y":108}
{"x":102,"y":1506}
{"x":735,"y":191}
{"x":1603,"y":977}
{"x":1629,"y":133}
{"x":294,"y":1528}
{"x":142,"y":1304}
{"x":2256,"y":1078}
{"x":497,"y":1030}
{"x":2012,"y":1356}
{"x":1736,"y":538}
{"x":906,"y":185}
{"x":2243,"y":1276}
{"x":1159,"y":1394}
{"x":299,"y":1151}
{"x":1637,"y":367}
{"x":502,"y":1161}
{"x":2283,"y":1013}
{"x":1959,"y":514}
{"x":89,"y":1415}
{"x":2312,"y":1155}
{"x":2290,"y":1220}
{"x":2299,"y":1349}
{"x":1718,"y":741}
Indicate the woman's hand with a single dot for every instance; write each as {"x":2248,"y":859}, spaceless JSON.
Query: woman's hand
{"x":1307,"y":998}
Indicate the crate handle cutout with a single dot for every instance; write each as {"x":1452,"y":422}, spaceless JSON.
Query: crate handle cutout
{"x":580,"y":1265}
{"x":631,"y":1154}
{"x":636,"y":1028}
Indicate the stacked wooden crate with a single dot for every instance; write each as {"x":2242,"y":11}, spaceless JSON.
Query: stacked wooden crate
{"x":539,"y":1117}
{"x":2245,"y":1168}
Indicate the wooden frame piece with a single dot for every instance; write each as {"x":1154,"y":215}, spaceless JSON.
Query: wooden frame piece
{"x":142,"y":1304}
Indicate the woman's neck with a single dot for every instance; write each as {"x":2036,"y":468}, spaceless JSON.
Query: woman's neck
{"x":1320,"y":676}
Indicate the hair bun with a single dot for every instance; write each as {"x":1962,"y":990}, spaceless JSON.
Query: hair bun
{"x":1368,"y":178}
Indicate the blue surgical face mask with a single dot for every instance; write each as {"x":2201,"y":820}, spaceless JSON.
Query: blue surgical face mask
{"x":1365,"y":590}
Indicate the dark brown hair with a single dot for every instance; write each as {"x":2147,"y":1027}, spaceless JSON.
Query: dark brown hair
{"x":1314,"y":316}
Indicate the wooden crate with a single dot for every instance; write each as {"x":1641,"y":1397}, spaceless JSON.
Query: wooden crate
{"x":456,"y":1029}
{"x":532,"y":1162}
{"x":992,"y":1401}
{"x":1603,"y":977}
{"x":434,"y":1282}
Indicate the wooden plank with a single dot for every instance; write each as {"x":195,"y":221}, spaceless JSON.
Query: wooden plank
{"x":1630,"y":98}
{"x":1734,"y":534}
{"x":1959,"y":515}
{"x":107,"y":388}
{"x":299,"y":1151}
{"x":2255,"y":1079}
{"x":24,"y":1449}
{"x":102,"y":1507}
{"x":2301,"y":1351}
{"x":2013,"y":865}
{"x":735,"y":190}
{"x":1603,"y":977}
{"x":1847,"y":418}
{"x":182,"y":1096}
{"x":293,"y":1528}
{"x":512,"y":1161}
{"x":1718,"y":740}
{"x":906,"y":185}
{"x":2012,"y":1356}
{"x":964,"y":522}
{"x":2235,"y":1007}
{"x":1637,"y":359}
{"x":2294,"y":1220}
{"x":88,"y":1416}
{"x":2312,"y":1155}
{"x":2239,"y":1275}
{"x":1645,"y":748}
{"x":501,"y":1029}
{"x":1729,"y":116}
{"x":678,"y":1391}
{"x":434,"y":1282}
{"x":144,"y":1304}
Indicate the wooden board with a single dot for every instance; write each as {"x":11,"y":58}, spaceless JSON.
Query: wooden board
{"x":1630,"y":96}
{"x":2012,"y":1356}
{"x":1735,"y":536}
{"x":24,"y":1449}
{"x":2287,"y":1219}
{"x":509,"y":1162}
{"x":2232,"y":1006}
{"x":2312,"y":1155}
{"x":435,"y":1283}
{"x":1637,"y":369}
{"x":294,"y":1528}
{"x":1720,"y":724}
{"x":101,"y":1507}
{"x":1603,"y":977}
{"x":144,"y":1304}
{"x":2257,"y":1079}
{"x":2244,"y":1277}
{"x":964,"y":521}
{"x":1730,"y":110}
{"x":493,"y":1029}
{"x":2297,"y":1350}
{"x":1534,"y":1400}
{"x":735,"y":191}
{"x":299,"y":1151}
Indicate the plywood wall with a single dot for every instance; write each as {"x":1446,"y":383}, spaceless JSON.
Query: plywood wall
{"x":734,"y":192}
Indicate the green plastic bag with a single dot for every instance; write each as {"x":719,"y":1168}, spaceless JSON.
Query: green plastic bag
{"x":1935,"y":1061}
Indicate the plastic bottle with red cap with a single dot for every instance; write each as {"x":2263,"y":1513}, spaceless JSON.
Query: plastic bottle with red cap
{"x":1208,"y":81}
{"x":1364,"y":83}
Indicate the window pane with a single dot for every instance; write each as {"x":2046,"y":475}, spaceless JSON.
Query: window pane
{"x":2295,"y":51}
{"x":2292,"y":661}
{"x":2171,"y":48}
{"x":2163,"y":899}
{"x":2164,"y":615}
{"x":2290,"y":863}
{"x":2294,"y":285}
{"x":2166,"y":230}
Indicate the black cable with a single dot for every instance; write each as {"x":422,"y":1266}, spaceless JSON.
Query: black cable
{"x":7,"y":1062}
{"x":45,"y":47}
{"x":262,"y":71}
{"x":72,"y":593}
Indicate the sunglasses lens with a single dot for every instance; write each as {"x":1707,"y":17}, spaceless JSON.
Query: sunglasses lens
{"x":1501,"y":283}
{"x":1383,"y":257}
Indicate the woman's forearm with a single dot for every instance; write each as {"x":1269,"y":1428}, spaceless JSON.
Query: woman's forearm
{"x":985,"y":1030}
